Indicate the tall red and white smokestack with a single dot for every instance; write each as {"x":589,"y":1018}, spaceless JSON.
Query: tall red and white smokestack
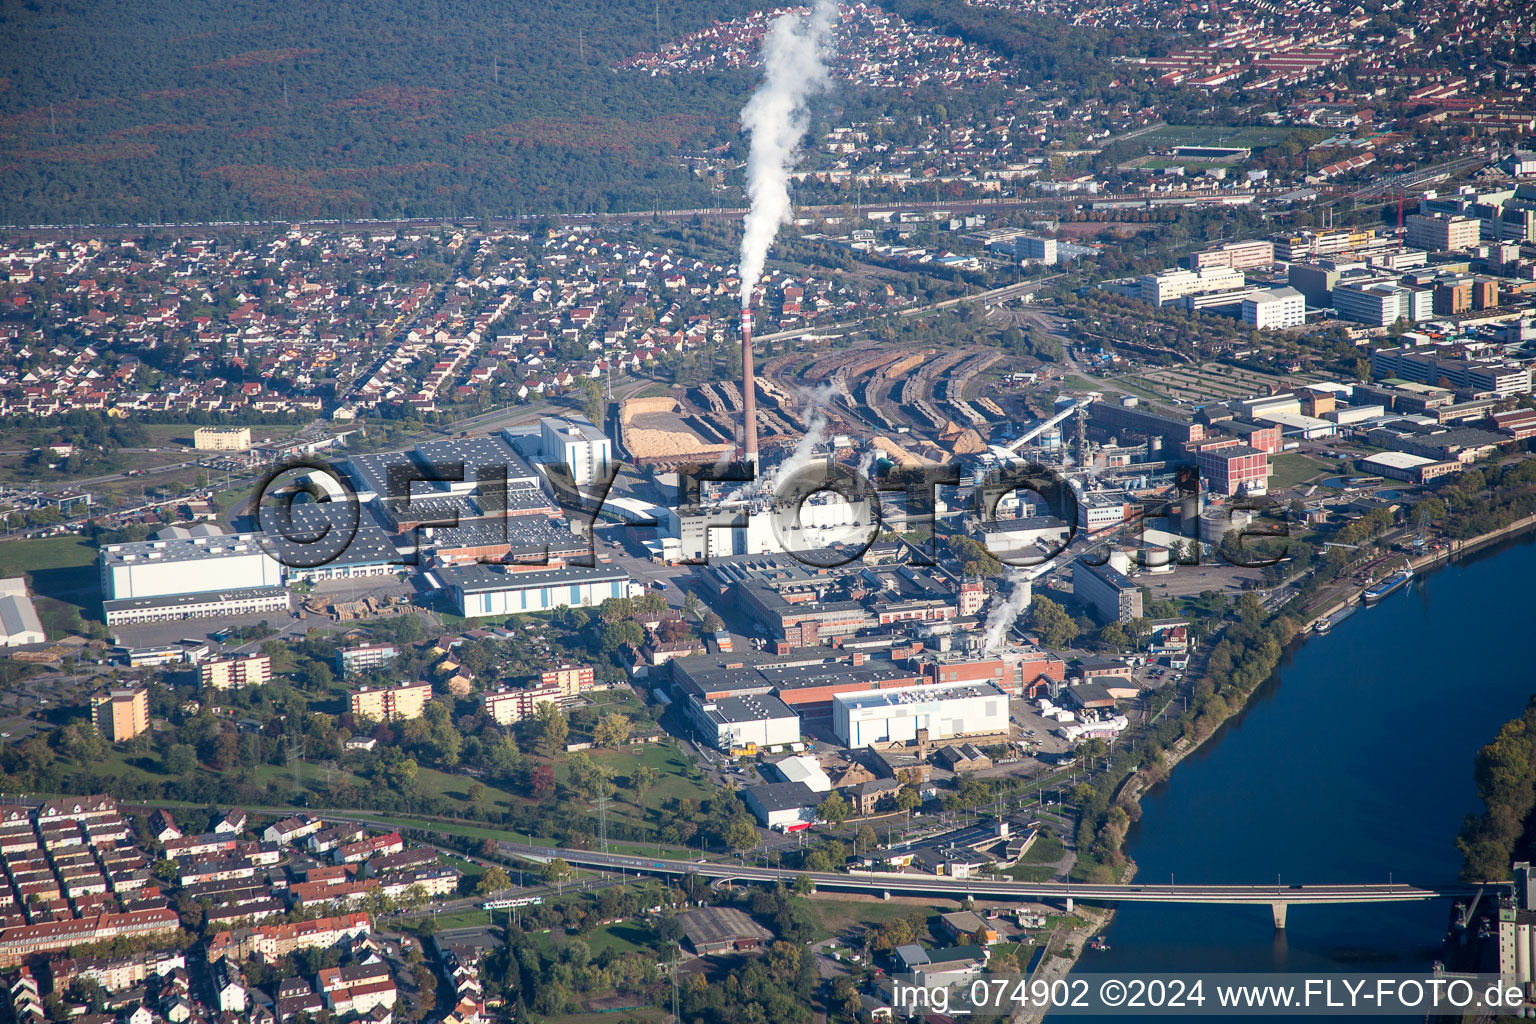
{"x":748,"y":389}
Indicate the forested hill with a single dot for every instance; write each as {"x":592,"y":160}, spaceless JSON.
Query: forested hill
{"x":163,"y":110}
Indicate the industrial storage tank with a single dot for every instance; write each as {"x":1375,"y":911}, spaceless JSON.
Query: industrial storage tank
{"x":1216,"y":523}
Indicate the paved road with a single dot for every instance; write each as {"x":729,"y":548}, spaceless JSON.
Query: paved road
{"x":932,"y":885}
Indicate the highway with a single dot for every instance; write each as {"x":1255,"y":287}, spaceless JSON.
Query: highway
{"x":1277,"y":896}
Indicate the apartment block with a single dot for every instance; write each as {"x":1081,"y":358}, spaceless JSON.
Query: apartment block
{"x":235,"y":672}
{"x":121,"y":713}
{"x":390,"y":704}
{"x":221,"y":439}
{"x":363,"y":657}
{"x":510,"y":706}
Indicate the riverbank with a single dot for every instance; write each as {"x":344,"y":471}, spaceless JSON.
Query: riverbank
{"x":1134,"y":787}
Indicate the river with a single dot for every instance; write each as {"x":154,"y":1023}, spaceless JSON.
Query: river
{"x":1352,"y":764}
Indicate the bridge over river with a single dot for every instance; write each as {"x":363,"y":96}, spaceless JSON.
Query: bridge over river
{"x":888,"y":883}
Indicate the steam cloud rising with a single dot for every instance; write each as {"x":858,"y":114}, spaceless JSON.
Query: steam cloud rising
{"x":1005,"y":613}
{"x":816,"y":402}
{"x":794,"y":69}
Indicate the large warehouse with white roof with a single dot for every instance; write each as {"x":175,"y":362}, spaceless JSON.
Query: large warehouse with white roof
{"x":913,"y":714}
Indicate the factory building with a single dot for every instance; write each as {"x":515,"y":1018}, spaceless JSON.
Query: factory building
{"x":784,"y":806}
{"x":19,"y":623}
{"x":479,"y":590}
{"x":807,"y":681}
{"x":1230,"y":467}
{"x":758,"y":721}
{"x":326,"y":540}
{"x":1128,"y":415}
{"x":203,"y":605}
{"x":704,"y":532}
{"x":1404,"y":466}
{"x":191,"y":565}
{"x":919,"y":714}
{"x":583,"y":448}
{"x":447,"y":482}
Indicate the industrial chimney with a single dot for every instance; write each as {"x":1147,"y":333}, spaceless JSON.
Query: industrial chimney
{"x":748,"y":389}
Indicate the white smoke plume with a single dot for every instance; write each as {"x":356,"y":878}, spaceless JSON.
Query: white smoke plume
{"x":816,"y":402}
{"x":794,"y":69}
{"x":1005,"y":613}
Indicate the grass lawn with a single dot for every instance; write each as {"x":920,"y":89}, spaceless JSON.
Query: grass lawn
{"x":649,"y":1014}
{"x":462,"y":919}
{"x":677,"y":776}
{"x":61,"y":572}
{"x":838,"y":916}
{"x":1291,"y":469}
{"x":621,"y":937}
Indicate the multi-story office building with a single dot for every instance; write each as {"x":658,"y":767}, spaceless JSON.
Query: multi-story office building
{"x":1250,"y":255}
{"x":1456,"y":371}
{"x":1275,"y":309}
{"x":1438,"y":232}
{"x":1107,"y":591}
{"x":121,"y":713}
{"x":1381,"y":302}
{"x":1453,"y":297}
{"x":1169,"y":286}
{"x":583,"y":448}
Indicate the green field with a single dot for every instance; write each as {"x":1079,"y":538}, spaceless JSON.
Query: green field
{"x":1290,"y":469}
{"x":1039,"y":862}
{"x":61,"y":572}
{"x":837,"y":917}
{"x":1221,"y":135}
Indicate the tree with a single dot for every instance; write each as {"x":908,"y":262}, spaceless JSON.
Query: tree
{"x":1050,"y":620}
{"x":612,"y":730}
{"x":908,"y":799}
{"x":1111,"y":635}
{"x":866,"y":840}
{"x":642,"y":779}
{"x":621,"y":634}
{"x":551,"y":726}
{"x":740,"y":835}
{"x":834,"y":810}
{"x":587,"y":776}
{"x":179,"y":759}
{"x":494,"y":880}
{"x":592,"y":401}
{"x":556,"y":872}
